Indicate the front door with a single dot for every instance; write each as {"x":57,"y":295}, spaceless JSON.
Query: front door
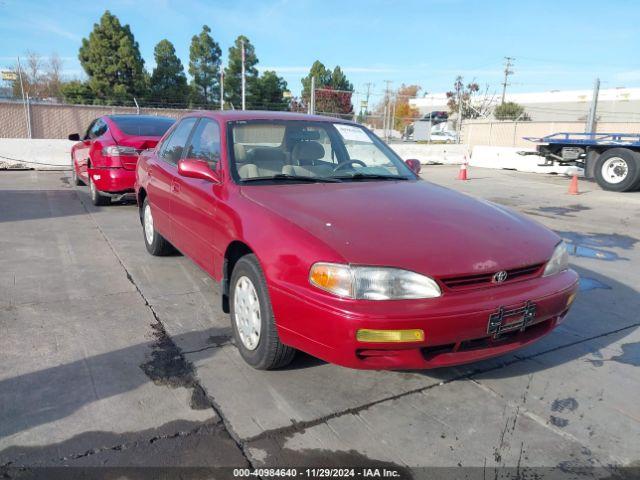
{"x":194,"y":205}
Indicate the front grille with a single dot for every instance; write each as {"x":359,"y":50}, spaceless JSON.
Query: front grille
{"x":484,"y":279}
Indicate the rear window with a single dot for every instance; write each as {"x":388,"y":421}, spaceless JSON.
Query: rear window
{"x":143,"y":126}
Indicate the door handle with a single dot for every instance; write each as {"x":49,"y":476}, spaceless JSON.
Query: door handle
{"x":175,"y":187}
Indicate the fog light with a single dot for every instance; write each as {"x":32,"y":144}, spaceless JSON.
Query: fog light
{"x":96,"y":177}
{"x":389,"y":336}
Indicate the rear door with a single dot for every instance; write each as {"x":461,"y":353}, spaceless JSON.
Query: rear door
{"x":194,"y":203}
{"x":162,"y":172}
{"x":81,"y":150}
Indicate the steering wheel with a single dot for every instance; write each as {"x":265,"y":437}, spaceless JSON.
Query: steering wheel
{"x":346,"y":163}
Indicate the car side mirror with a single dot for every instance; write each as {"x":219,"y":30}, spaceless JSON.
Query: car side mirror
{"x":75,"y":137}
{"x":414,"y":165}
{"x":194,"y":168}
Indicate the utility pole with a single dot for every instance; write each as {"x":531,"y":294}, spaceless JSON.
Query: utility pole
{"x":244,"y":81}
{"x":25,"y":101}
{"x":590,"y":127}
{"x":221,"y":89}
{"x":366,"y":102}
{"x":507,"y":71}
{"x":312,"y":97}
{"x":387,"y":110}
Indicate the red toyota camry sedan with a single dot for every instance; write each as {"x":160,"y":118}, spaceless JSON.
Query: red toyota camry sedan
{"x":325,"y":241}
{"x":105,"y":157}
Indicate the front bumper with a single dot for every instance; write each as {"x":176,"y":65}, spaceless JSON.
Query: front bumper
{"x":113,"y":180}
{"x":456,"y":325}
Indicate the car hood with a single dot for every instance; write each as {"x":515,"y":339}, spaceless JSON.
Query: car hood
{"x":415,"y":225}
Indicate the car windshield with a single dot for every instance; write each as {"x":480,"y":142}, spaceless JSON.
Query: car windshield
{"x":144,"y":126}
{"x":297,"y":151}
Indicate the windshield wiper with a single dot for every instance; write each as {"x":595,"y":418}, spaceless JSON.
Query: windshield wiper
{"x":371,"y":176}
{"x":285,"y":177}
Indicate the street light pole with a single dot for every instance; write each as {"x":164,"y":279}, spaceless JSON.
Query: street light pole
{"x":244,"y":104}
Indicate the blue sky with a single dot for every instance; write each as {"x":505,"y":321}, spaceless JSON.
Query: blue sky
{"x":557,"y":44}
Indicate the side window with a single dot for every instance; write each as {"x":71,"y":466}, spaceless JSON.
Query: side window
{"x":99,"y":129}
{"x":87,"y":134}
{"x":172,"y":148}
{"x":205,"y":142}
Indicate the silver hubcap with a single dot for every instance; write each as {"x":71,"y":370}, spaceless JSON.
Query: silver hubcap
{"x":614,"y":170}
{"x":92,"y":187}
{"x":148,"y":224}
{"x":246,"y":309}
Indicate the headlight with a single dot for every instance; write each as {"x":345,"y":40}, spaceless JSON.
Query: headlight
{"x":372,"y":283}
{"x":559,"y":261}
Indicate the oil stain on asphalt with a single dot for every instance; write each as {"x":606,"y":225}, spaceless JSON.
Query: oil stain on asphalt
{"x":564,"y":211}
{"x":560,"y":405}
{"x":168,"y":366}
{"x":597,"y":245}
{"x":630,"y":354}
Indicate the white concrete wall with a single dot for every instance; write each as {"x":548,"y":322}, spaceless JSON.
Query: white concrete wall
{"x":428,"y":153}
{"x":508,"y":158}
{"x":33,"y":153}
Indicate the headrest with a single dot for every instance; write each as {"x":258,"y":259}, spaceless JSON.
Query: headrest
{"x":239,"y":152}
{"x":265,"y":154}
{"x":307,"y":151}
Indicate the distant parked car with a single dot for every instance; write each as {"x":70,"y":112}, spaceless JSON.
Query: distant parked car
{"x":325,"y":241}
{"x":444,"y":136}
{"x":105,"y":157}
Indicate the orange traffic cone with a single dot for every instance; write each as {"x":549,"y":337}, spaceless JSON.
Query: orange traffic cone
{"x":573,"y":186}
{"x":462,"y":174}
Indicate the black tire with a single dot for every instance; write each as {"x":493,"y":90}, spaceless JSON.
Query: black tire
{"x":616,"y":163}
{"x":158,"y":246}
{"x":74,"y":176}
{"x":270,"y":353}
{"x":97,"y":197}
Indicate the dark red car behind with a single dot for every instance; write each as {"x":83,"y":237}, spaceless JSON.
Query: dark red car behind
{"x":105,"y":157}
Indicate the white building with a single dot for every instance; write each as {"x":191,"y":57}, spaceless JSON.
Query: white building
{"x":614,"y":104}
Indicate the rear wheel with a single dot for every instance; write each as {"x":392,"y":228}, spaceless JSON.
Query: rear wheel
{"x":618,"y":169}
{"x":156,"y":244}
{"x":74,"y":176}
{"x":254,"y":327}
{"x":97,"y":197}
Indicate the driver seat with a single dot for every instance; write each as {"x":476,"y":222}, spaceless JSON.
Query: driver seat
{"x":304,"y":157}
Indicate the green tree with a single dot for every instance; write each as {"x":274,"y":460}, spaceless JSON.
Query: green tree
{"x":339,"y":80}
{"x":168,"y":82}
{"x":271,"y":89}
{"x":322,"y":75}
{"x":510,"y":111}
{"x":204,"y":67}
{"x":233,"y":75}
{"x":111,"y":58}
{"x":76,"y":92}
{"x":333,"y":90}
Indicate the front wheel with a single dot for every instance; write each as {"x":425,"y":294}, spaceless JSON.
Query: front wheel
{"x":618,"y":169}
{"x":254,"y":327}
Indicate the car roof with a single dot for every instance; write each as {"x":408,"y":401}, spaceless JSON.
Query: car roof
{"x":236,"y":115}
{"x":129,"y":115}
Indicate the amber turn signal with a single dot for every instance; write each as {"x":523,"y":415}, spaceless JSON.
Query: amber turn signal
{"x":389,"y":336}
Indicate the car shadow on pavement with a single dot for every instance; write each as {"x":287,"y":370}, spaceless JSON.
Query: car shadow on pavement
{"x":50,"y":394}
{"x":604,"y":312}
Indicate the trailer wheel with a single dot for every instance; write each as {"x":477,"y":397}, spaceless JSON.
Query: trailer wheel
{"x":618,"y":169}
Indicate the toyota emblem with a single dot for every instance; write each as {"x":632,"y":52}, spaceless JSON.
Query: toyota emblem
{"x":500,"y":276}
